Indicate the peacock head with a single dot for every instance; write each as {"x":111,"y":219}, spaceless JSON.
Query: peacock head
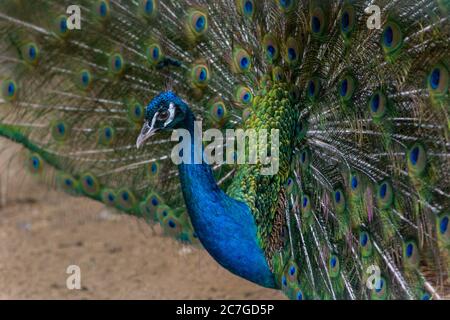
{"x":164,"y":113}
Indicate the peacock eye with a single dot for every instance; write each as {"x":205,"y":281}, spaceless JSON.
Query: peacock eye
{"x":163,"y":115}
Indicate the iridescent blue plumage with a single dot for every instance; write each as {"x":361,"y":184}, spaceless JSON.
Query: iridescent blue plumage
{"x":225,"y":226}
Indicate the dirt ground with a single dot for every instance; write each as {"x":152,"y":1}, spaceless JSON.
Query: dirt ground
{"x":42,"y":232}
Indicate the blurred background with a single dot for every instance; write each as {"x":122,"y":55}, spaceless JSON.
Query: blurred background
{"x":43,"y":231}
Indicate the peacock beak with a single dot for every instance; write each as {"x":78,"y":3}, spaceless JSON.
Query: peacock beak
{"x":146,"y":132}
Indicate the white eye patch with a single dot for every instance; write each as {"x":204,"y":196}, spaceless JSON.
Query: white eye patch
{"x":154,"y":121}
{"x":171,"y":114}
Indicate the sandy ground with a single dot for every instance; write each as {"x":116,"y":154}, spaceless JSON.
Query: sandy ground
{"x":42,"y":232}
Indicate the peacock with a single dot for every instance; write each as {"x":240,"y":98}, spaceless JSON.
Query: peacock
{"x":359,"y":206}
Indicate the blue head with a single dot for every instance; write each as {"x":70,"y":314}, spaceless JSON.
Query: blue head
{"x":164,"y":113}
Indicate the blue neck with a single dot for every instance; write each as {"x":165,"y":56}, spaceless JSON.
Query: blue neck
{"x":225,"y":226}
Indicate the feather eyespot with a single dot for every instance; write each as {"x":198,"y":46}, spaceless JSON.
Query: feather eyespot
{"x":109,"y":197}
{"x":315,"y":24}
{"x":306,"y":206}
{"x":380,"y":290}
{"x":318,"y":21}
{"x":292,"y":272}
{"x":292,"y":51}
{"x":103,"y":9}
{"x":286,"y":5}
{"x":63,"y":25}
{"x":434,"y":78}
{"x":9,"y":90}
{"x":84,"y":79}
{"x":172,"y":226}
{"x":348,"y":19}
{"x":162,"y":212}
{"x":144,"y":209}
{"x":425,"y":296}
{"x":149,"y":8}
{"x":337,"y":196}
{"x":60,"y":26}
{"x":278,"y":74}
{"x":198,"y":22}
{"x":442,"y":227}
{"x":365,"y":244}
{"x":417,"y":159}
{"x":153,"y":170}
{"x":244,"y":63}
{"x":116,"y":64}
{"x":136,"y":111}
{"x":284,"y":281}
{"x":126,"y":199}
{"x":217,"y":111}
{"x":305,"y":156}
{"x":35,"y":163}
{"x":154,"y":53}
{"x":244,"y":95}
{"x":148,"y":5}
{"x":411,"y":257}
{"x":339,"y":200}
{"x":246,"y":8}
{"x":241,"y":61}
{"x":90,"y":184}
{"x":385,"y":194}
{"x":346,"y":88}
{"x":333,"y":266}
{"x":270,"y":47}
{"x":151,"y":204}
{"x":363,"y":239}
{"x":106,"y":135}
{"x":289,"y":185}
{"x":378,"y":104}
{"x":391,"y":38}
{"x":30,"y":53}
{"x":200,"y":75}
{"x":60,"y":130}
{"x":355,"y":183}
{"x":313,"y":89}
{"x":67,"y":183}
{"x":291,"y":54}
{"x":438,"y":80}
